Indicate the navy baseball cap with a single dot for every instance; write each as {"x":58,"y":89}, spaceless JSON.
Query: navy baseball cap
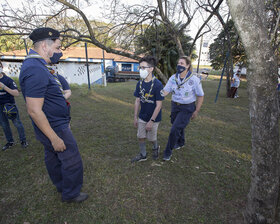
{"x":43,"y":34}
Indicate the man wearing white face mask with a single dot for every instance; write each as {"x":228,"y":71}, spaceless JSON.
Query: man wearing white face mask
{"x":50,"y":114}
{"x":148,"y":97}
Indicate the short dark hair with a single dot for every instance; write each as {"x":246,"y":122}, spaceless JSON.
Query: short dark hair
{"x":150,"y":60}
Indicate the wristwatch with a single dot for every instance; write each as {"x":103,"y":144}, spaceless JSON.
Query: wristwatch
{"x":153,"y":120}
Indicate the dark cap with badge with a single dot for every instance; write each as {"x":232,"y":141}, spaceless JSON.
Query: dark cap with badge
{"x":44,"y":33}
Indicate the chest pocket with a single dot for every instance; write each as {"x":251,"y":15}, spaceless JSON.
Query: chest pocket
{"x":188,"y":91}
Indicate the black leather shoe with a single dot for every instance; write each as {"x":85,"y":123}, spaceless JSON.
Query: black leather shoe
{"x":82,"y":197}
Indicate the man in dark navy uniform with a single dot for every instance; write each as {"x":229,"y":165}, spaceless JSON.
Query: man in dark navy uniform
{"x":50,"y":115}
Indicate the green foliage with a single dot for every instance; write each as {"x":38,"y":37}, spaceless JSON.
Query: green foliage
{"x":74,"y":26}
{"x":10,"y":42}
{"x":158,"y":42}
{"x":219,"y":48}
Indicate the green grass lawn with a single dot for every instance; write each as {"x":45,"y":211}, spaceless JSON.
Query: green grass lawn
{"x":207,"y":181}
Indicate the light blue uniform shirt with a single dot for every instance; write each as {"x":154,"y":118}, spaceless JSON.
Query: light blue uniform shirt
{"x":188,"y":91}
{"x":236,"y":81}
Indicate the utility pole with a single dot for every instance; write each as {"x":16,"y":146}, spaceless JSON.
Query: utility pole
{"x":25,"y":45}
{"x":87,"y":66}
{"x":104,"y":73}
{"x":201,"y":40}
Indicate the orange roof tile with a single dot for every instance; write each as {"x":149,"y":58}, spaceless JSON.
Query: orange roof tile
{"x":79,"y":52}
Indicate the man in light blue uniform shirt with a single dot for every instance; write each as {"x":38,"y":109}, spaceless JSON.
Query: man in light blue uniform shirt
{"x":186,"y":89}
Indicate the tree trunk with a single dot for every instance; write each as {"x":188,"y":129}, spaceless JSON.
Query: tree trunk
{"x":230,"y":64}
{"x":228,"y":42}
{"x":228,"y":77}
{"x":161,"y":75}
{"x":250,"y":20}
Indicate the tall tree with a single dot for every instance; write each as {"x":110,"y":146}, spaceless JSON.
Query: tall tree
{"x":158,"y":42}
{"x":227,"y":45}
{"x":272,"y":8}
{"x":219,"y":48}
{"x":251,"y":21}
{"x":126,"y":22}
{"x":10,"y":42}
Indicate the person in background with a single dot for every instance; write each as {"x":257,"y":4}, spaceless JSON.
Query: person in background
{"x":50,"y":114}
{"x":235,"y":82}
{"x":8,"y":90}
{"x":278,"y":86}
{"x":66,"y":91}
{"x":61,"y":81}
{"x":186,"y":89}
{"x":65,"y":86}
{"x":148,"y":97}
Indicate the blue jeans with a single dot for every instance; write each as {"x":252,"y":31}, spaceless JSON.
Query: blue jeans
{"x":180,"y":117}
{"x":4,"y":122}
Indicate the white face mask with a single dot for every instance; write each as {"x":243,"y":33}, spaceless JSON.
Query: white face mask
{"x":143,"y":73}
{"x":1,"y":70}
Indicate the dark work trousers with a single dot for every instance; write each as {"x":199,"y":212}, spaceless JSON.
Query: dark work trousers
{"x":65,"y":168}
{"x":180,"y":117}
{"x":232,"y":92}
{"x":4,"y":122}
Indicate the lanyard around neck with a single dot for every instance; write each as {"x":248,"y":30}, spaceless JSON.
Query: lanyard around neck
{"x":187,"y":77}
{"x":49,"y":69}
{"x":150,"y":91}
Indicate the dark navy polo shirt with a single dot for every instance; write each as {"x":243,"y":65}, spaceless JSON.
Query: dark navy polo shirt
{"x":6,"y":97}
{"x":37,"y":82}
{"x":148,"y":107}
{"x":64,"y":83}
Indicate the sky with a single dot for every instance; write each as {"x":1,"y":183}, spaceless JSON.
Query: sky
{"x":95,"y":10}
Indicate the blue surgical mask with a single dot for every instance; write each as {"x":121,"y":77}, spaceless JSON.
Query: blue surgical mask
{"x":180,"y":68}
{"x":55,"y":58}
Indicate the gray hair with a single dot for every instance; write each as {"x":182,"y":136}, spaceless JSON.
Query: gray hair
{"x":48,"y":41}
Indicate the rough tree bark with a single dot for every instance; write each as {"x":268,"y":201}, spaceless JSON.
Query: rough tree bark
{"x":250,"y":20}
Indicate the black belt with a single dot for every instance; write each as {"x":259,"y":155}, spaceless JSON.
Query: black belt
{"x":178,"y":104}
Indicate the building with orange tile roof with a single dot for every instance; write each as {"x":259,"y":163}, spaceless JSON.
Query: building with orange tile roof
{"x":75,"y":57}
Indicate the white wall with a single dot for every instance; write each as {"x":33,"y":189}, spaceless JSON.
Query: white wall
{"x":11,"y":69}
{"x":72,"y":72}
{"x":77,"y":72}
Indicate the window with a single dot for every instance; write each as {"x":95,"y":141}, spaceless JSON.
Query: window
{"x":127,"y":67}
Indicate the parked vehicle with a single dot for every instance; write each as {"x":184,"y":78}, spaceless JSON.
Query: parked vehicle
{"x":205,"y":71}
{"x":113,"y":75}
